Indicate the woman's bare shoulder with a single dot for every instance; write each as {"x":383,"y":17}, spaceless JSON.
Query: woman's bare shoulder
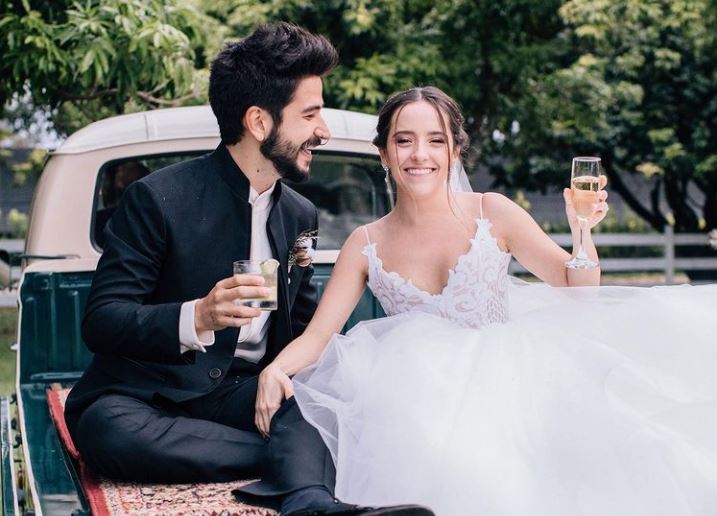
{"x":505,"y":215}
{"x":379,"y":227}
{"x":352,"y":253}
{"x":366,"y":234}
{"x":496,"y":205}
{"x":492,"y":203}
{"x":356,"y":239}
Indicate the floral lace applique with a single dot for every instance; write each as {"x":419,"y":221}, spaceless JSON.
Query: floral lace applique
{"x":475,"y":294}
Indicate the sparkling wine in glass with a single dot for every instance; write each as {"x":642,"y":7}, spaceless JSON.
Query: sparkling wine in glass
{"x":585,"y":184}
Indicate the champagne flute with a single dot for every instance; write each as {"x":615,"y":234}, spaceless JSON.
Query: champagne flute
{"x":585,"y":184}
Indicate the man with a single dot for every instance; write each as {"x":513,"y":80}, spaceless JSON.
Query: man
{"x":170,"y":394}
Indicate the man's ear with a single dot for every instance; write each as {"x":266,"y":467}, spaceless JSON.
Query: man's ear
{"x":258,"y":123}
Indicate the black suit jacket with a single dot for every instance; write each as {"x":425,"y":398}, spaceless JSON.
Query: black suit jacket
{"x":173,"y":237}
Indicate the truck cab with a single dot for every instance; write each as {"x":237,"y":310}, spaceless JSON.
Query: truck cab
{"x":81,"y":184}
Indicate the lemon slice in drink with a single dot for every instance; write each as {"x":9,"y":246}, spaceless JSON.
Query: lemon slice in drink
{"x":269,"y":266}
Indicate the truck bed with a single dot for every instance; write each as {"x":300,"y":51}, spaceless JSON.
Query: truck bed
{"x":50,"y":470}
{"x":51,"y":351}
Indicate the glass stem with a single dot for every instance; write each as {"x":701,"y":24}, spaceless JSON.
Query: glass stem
{"x":583,"y":223}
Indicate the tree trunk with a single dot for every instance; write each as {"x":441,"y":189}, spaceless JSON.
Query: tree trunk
{"x":709,"y":210}
{"x":685,"y":218}
{"x":615,"y":182}
{"x":686,"y":221}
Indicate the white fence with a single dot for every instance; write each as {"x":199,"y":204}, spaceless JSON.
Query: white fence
{"x":666,"y":264}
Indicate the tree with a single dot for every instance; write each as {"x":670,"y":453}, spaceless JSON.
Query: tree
{"x":84,"y":60}
{"x":631,"y":80}
{"x":641,"y":92}
{"x":383,"y":46}
{"x":484,"y":53}
{"x":96,"y":58}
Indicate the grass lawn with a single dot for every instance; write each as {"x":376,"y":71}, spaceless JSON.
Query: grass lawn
{"x":8,"y":321}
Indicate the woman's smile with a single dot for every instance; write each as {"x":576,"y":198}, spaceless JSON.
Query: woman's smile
{"x":414,"y":171}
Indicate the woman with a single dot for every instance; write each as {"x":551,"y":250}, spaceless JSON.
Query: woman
{"x":571,"y":404}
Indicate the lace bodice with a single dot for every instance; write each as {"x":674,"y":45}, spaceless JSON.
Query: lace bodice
{"x":476,"y":293}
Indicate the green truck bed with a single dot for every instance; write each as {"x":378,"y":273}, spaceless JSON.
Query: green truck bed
{"x":51,"y":351}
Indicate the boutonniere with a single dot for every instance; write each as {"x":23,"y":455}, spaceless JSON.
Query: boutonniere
{"x":302,"y":252}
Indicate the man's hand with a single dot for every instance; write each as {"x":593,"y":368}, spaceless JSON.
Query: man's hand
{"x":219,"y":309}
{"x":274,"y":387}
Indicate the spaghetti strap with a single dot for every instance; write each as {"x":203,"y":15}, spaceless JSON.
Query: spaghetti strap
{"x":480,"y":206}
{"x":368,"y":238}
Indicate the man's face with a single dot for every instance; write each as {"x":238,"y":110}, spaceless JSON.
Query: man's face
{"x":302,"y":128}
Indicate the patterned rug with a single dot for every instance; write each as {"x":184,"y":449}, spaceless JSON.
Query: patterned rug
{"x":110,"y":498}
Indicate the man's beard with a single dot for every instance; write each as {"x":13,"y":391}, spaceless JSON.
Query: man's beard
{"x":284,"y":155}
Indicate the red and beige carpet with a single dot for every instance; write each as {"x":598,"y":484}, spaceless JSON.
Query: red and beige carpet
{"x":111,"y":498}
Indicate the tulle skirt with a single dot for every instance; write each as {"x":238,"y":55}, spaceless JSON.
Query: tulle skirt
{"x":589,"y":401}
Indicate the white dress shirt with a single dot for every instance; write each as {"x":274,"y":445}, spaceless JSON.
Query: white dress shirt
{"x":251,"y":343}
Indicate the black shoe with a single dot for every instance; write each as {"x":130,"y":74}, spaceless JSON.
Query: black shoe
{"x":344,"y":509}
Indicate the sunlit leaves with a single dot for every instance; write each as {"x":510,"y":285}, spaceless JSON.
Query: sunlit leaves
{"x":111,"y":50}
{"x":642,"y":92}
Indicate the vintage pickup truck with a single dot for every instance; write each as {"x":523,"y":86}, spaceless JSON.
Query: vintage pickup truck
{"x":81,"y":184}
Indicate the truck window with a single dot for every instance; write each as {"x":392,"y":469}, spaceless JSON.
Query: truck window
{"x":113,"y":179}
{"x":348,"y":189}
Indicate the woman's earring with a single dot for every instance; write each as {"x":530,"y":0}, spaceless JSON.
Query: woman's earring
{"x":384,"y":167}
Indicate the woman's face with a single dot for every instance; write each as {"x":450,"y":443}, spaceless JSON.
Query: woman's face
{"x":418,"y":150}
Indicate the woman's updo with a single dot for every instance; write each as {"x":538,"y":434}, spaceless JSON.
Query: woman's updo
{"x":441,"y":102}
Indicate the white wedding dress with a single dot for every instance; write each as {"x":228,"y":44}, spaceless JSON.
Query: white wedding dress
{"x":575,"y":401}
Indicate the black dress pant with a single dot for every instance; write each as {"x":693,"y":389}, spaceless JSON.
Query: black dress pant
{"x":208,"y":439}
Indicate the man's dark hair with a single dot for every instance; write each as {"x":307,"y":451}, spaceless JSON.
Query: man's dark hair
{"x":264,"y":70}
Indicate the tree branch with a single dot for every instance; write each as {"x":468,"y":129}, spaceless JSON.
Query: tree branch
{"x":656,"y":220}
{"x":709,"y":210}
{"x":685,"y":218}
{"x":655,"y":196}
{"x":151,"y":99}
{"x":66,"y":95}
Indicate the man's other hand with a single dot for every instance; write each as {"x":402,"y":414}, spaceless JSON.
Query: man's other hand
{"x":221,"y":308}
{"x":274,"y":387}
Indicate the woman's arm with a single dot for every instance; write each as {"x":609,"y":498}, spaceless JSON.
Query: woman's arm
{"x":535,"y":251}
{"x":343,"y":291}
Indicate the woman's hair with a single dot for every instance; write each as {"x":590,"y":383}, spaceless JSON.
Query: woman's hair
{"x":443,"y":104}
{"x":440,"y":101}
{"x":264,"y":70}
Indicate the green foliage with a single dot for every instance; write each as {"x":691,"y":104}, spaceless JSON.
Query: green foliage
{"x":18,"y":223}
{"x":482,"y":53}
{"x":384,"y":46}
{"x":98,"y":55}
{"x":634,"y":81}
{"x":29,"y":169}
{"x":640,"y":91}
